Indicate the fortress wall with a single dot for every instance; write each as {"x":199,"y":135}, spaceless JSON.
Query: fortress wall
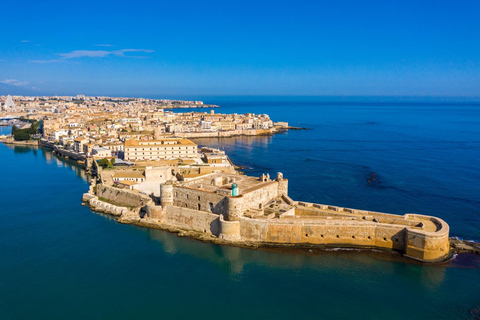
{"x":398,"y":234}
{"x":287,"y":199}
{"x":253,"y":229}
{"x":189,"y":219}
{"x":390,"y":237}
{"x":283,"y":188}
{"x":229,"y":230}
{"x":189,"y":198}
{"x":98,"y":205}
{"x":315,"y":207}
{"x":428,"y":245}
{"x":341,"y":233}
{"x":155,"y":212}
{"x":121,"y":196}
{"x":311,"y":212}
{"x":260,"y":196}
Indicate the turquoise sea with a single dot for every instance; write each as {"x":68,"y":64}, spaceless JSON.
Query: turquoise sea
{"x":59,"y":260}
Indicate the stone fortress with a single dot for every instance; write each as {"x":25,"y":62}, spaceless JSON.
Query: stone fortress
{"x":236,"y":209}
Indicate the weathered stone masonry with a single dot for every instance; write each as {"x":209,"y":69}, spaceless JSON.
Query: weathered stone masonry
{"x":263,"y":214}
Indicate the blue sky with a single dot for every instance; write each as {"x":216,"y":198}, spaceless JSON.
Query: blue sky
{"x":188,"y":48}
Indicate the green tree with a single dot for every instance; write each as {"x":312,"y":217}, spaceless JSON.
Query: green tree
{"x":21,"y":135}
{"x":104,"y":163}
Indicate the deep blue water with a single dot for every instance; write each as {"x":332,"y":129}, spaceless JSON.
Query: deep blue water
{"x":58,"y":260}
{"x":426,"y":156}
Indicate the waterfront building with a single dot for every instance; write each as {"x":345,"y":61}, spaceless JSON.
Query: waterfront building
{"x":152,"y":150}
{"x":87,"y":148}
{"x":101,"y":152}
{"x":216,"y":158}
{"x":78,"y":144}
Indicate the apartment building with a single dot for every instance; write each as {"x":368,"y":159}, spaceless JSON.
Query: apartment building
{"x":152,"y":150}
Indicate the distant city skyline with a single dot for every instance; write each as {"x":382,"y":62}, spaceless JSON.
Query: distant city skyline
{"x":215,"y":48}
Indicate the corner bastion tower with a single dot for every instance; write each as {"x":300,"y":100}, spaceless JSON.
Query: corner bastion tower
{"x":246,"y":210}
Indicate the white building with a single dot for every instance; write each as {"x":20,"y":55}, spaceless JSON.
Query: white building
{"x":101,"y":152}
{"x":152,"y":150}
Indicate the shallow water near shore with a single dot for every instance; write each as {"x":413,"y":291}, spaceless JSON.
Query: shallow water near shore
{"x":59,"y":260}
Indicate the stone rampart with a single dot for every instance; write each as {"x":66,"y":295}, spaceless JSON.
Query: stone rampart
{"x":21,"y":143}
{"x":189,"y":219}
{"x":427,"y":245}
{"x":228,"y":230}
{"x":189,"y":197}
{"x":215,"y":213}
{"x":327,"y":233}
{"x":415,"y":243}
{"x":106,"y":207}
{"x":122,"y":196}
{"x":260,"y":197}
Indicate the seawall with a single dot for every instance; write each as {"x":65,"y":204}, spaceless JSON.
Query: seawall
{"x":249,"y":232}
{"x":227,"y":134}
{"x":122,"y":196}
{"x":69,"y":154}
{"x":20,"y":143}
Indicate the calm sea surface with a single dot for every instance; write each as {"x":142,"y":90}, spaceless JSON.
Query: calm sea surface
{"x":58,"y":260}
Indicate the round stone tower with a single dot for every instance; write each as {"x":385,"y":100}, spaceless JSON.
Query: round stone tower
{"x":282,"y":185}
{"x":166,"y":194}
{"x":235,"y":208}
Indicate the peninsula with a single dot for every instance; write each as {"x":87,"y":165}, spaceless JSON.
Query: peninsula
{"x":218,"y":204}
{"x":146,"y":171}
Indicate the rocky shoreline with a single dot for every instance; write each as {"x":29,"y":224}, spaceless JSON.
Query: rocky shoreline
{"x":461,"y":246}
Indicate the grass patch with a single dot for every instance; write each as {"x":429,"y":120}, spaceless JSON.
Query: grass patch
{"x":115,"y":203}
